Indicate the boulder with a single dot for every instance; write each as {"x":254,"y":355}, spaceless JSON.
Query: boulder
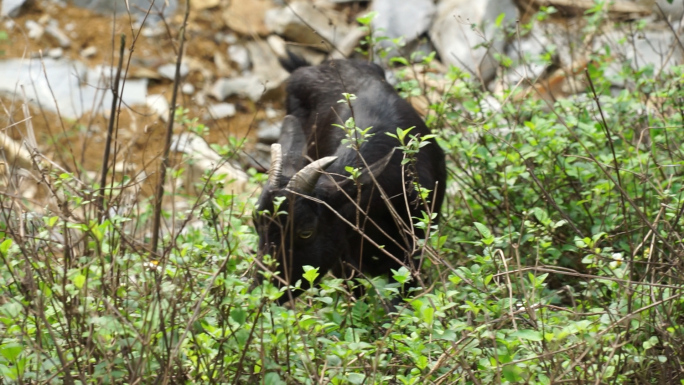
{"x":305,"y":23}
{"x":407,"y":18}
{"x":466,"y":35}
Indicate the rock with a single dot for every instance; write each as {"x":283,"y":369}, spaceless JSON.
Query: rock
{"x":220,"y":111}
{"x":188,"y":89}
{"x":526,"y":52}
{"x":72,"y":86}
{"x":278,"y":45}
{"x":268,"y":133}
{"x":52,"y":29}
{"x":55,"y":53}
{"x":222,"y":66}
{"x":672,"y":12}
{"x":239,"y":55}
{"x":455,"y":40}
{"x":280,"y":48}
{"x":328,"y":25}
{"x":265,"y":65}
{"x":271,"y":113}
{"x":230,"y":38}
{"x":204,"y":158}
{"x":168,"y":71}
{"x":89,"y":52}
{"x":407,"y":18}
{"x":35,"y":30}
{"x":137,"y":7}
{"x":199,"y":5}
{"x":247,"y":86}
{"x":12,"y":8}
{"x":152,"y":31}
{"x":349,"y":43}
{"x":655,"y":46}
{"x":247,"y":17}
{"x":260,"y":157}
{"x":159,"y":105}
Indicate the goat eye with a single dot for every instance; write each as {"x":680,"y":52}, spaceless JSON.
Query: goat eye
{"x":305,"y":234}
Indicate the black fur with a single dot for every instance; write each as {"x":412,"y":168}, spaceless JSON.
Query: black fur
{"x":313,"y":93}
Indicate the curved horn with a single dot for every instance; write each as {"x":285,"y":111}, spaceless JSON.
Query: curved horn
{"x":304,"y":181}
{"x":276,"y":169}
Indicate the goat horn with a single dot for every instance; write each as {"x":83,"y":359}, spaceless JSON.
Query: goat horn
{"x":276,"y":169}
{"x":304,"y":181}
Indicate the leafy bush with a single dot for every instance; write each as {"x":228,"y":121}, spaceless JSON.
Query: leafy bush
{"x":557,"y":259}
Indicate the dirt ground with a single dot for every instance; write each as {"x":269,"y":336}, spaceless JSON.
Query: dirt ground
{"x":78,"y":145}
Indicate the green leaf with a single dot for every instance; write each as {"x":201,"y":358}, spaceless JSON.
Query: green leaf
{"x":527,"y":334}
{"x":5,"y":246}
{"x":273,"y":378}
{"x":310,"y":274}
{"x":79,"y":281}
{"x":11,"y":351}
{"x":511,"y":373}
{"x":238,"y":315}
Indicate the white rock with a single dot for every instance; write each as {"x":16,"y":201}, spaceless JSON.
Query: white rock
{"x":248,"y":86}
{"x":271,"y":113}
{"x":187,"y":89}
{"x":454,"y":38}
{"x":35,"y":30}
{"x":205,"y":158}
{"x":265,"y":64}
{"x":89,"y":52}
{"x":406,"y":18}
{"x":159,"y":105}
{"x":654,"y":46}
{"x":673,"y":12}
{"x":230,"y":38}
{"x":239,"y":55}
{"x":169,"y":70}
{"x":11,"y":7}
{"x":269,"y":133}
{"x":73,"y":88}
{"x":53,"y":30}
{"x":327,"y":24}
{"x":55,"y":53}
{"x":220,"y":111}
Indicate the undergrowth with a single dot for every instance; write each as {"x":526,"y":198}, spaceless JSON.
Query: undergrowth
{"x":558,"y":258}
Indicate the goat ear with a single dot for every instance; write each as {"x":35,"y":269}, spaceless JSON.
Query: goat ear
{"x":331,"y":185}
{"x":293,"y":143}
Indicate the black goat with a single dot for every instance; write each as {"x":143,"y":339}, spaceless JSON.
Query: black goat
{"x":332,"y":222}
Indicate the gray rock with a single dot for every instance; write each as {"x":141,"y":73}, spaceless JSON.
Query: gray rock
{"x":247,"y":86}
{"x":205,"y":158}
{"x":672,"y":12}
{"x":12,"y":8}
{"x":459,"y":45}
{"x":656,"y":46}
{"x":220,"y":111}
{"x":52,"y":29}
{"x":35,"y":30}
{"x":239,"y":55}
{"x":407,"y":18}
{"x":265,"y":64}
{"x":168,"y":71}
{"x":137,"y":7}
{"x":327,"y":24}
{"x":268,"y":132}
{"x":74,"y":88}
